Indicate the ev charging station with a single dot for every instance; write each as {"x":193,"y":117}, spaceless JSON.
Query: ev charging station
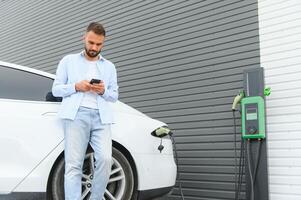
{"x":253,"y":151}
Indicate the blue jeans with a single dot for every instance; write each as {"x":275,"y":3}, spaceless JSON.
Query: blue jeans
{"x":85,"y":128}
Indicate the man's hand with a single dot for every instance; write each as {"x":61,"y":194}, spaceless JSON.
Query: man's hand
{"x":83,"y":86}
{"x":98,"y":88}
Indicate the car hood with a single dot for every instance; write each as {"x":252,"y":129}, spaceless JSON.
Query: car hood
{"x":119,"y":107}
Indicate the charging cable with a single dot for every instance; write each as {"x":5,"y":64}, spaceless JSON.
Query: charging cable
{"x":253,"y":175}
{"x":241,"y":166}
{"x":177,"y":162}
{"x":235,"y":155}
{"x":162,"y":132}
{"x":238,"y":180}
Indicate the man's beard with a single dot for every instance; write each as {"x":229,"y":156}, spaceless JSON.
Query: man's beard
{"x":92,"y":53}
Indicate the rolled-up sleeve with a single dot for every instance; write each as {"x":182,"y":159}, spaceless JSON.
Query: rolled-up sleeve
{"x":111,"y":90}
{"x":61,"y":87}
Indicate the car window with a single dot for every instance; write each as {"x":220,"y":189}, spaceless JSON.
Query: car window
{"x":22,"y":85}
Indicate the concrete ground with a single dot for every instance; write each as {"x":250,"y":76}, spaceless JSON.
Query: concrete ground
{"x":24,"y":196}
{"x":35,"y":196}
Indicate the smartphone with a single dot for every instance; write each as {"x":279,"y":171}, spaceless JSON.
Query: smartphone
{"x":93,"y":80}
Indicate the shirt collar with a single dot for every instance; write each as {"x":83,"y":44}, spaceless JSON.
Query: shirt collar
{"x":99,"y":56}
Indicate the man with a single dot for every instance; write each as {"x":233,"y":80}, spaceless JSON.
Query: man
{"x":85,"y":112}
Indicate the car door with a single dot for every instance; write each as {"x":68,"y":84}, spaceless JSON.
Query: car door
{"x":29,"y":127}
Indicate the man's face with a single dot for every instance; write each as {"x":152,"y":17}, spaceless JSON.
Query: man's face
{"x":93,"y":44}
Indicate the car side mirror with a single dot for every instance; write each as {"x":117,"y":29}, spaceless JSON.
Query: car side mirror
{"x":50,"y":97}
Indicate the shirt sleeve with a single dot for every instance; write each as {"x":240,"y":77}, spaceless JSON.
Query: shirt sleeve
{"x":61,"y":87}
{"x":111,"y":90}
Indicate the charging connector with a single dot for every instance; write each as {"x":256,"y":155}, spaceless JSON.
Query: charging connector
{"x":162,"y":132}
{"x":237,"y":100}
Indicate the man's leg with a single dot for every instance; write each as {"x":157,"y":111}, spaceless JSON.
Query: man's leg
{"x":101,"y":143}
{"x":77,"y":133}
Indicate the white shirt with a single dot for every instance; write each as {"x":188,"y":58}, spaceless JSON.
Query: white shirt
{"x":90,"y":98}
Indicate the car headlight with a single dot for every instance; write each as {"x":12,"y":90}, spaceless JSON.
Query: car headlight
{"x":161,"y":132}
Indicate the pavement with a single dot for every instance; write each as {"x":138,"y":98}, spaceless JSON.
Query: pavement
{"x":33,"y":196}
{"x":24,"y":196}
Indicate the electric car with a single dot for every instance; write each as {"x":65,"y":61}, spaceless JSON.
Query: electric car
{"x":32,"y":144}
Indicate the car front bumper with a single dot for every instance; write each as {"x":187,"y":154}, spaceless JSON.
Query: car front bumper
{"x":155,"y":171}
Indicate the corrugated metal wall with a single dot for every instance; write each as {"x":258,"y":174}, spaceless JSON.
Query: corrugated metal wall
{"x":177,"y":61}
{"x":280,"y":33}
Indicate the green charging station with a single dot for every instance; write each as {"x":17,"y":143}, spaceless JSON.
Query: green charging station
{"x":253,"y":117}
{"x":252,"y":163}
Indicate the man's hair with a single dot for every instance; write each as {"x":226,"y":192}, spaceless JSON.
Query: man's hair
{"x":96,"y":28}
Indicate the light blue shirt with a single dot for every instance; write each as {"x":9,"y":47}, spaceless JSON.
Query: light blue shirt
{"x":72,"y":69}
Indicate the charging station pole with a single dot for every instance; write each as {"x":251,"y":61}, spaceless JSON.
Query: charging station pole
{"x":253,"y":130}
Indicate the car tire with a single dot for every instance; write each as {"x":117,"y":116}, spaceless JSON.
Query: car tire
{"x":121,"y":185}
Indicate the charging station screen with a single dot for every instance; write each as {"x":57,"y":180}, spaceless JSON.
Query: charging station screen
{"x":251,"y":113}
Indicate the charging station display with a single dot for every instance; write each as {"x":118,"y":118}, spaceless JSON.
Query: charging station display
{"x":253,"y":117}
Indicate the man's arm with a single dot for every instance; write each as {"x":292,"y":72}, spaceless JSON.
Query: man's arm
{"x":60,"y":88}
{"x":109,"y":91}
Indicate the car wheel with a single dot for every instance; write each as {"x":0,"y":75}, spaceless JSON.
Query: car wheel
{"x":121,"y":184}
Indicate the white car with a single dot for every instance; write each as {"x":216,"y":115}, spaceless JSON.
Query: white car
{"x":32,"y":144}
